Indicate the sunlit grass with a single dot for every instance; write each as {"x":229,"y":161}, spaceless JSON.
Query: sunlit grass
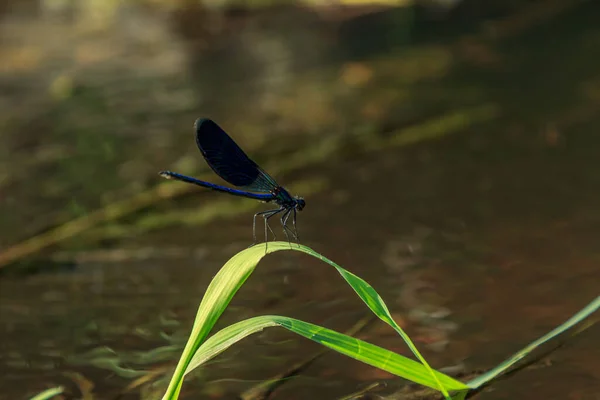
{"x":238,"y":269}
{"x":233,"y":275}
{"x":48,"y":394}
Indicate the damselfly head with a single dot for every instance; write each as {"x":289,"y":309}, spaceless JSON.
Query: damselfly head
{"x":300,"y":203}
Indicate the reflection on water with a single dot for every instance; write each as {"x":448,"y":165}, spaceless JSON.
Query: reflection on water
{"x":456,"y":172}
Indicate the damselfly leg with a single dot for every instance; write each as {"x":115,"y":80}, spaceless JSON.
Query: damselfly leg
{"x":286,"y":229}
{"x":295,"y":228}
{"x":283,"y":220}
{"x":266,"y":215}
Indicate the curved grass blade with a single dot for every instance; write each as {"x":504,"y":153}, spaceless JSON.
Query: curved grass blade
{"x":233,"y":275}
{"x":49,"y":393}
{"x":377,"y":305}
{"x":264,"y":389}
{"x":344,"y":344}
{"x":512,"y":360}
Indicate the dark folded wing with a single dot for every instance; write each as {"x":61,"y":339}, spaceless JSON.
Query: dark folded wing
{"x":228,"y":161}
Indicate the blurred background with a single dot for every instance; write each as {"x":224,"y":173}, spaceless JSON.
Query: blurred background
{"x":448,"y":152}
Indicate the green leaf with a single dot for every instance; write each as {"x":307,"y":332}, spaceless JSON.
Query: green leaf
{"x":344,"y":344}
{"x":512,"y":360}
{"x":233,"y":275}
{"x":49,"y":393}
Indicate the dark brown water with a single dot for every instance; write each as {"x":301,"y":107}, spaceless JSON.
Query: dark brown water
{"x":479,"y":230}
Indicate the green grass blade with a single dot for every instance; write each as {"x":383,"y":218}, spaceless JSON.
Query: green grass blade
{"x":216,"y":298}
{"x":233,"y":275}
{"x":49,"y":393}
{"x":377,"y":305}
{"x":344,"y":344}
{"x":501,"y":368}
